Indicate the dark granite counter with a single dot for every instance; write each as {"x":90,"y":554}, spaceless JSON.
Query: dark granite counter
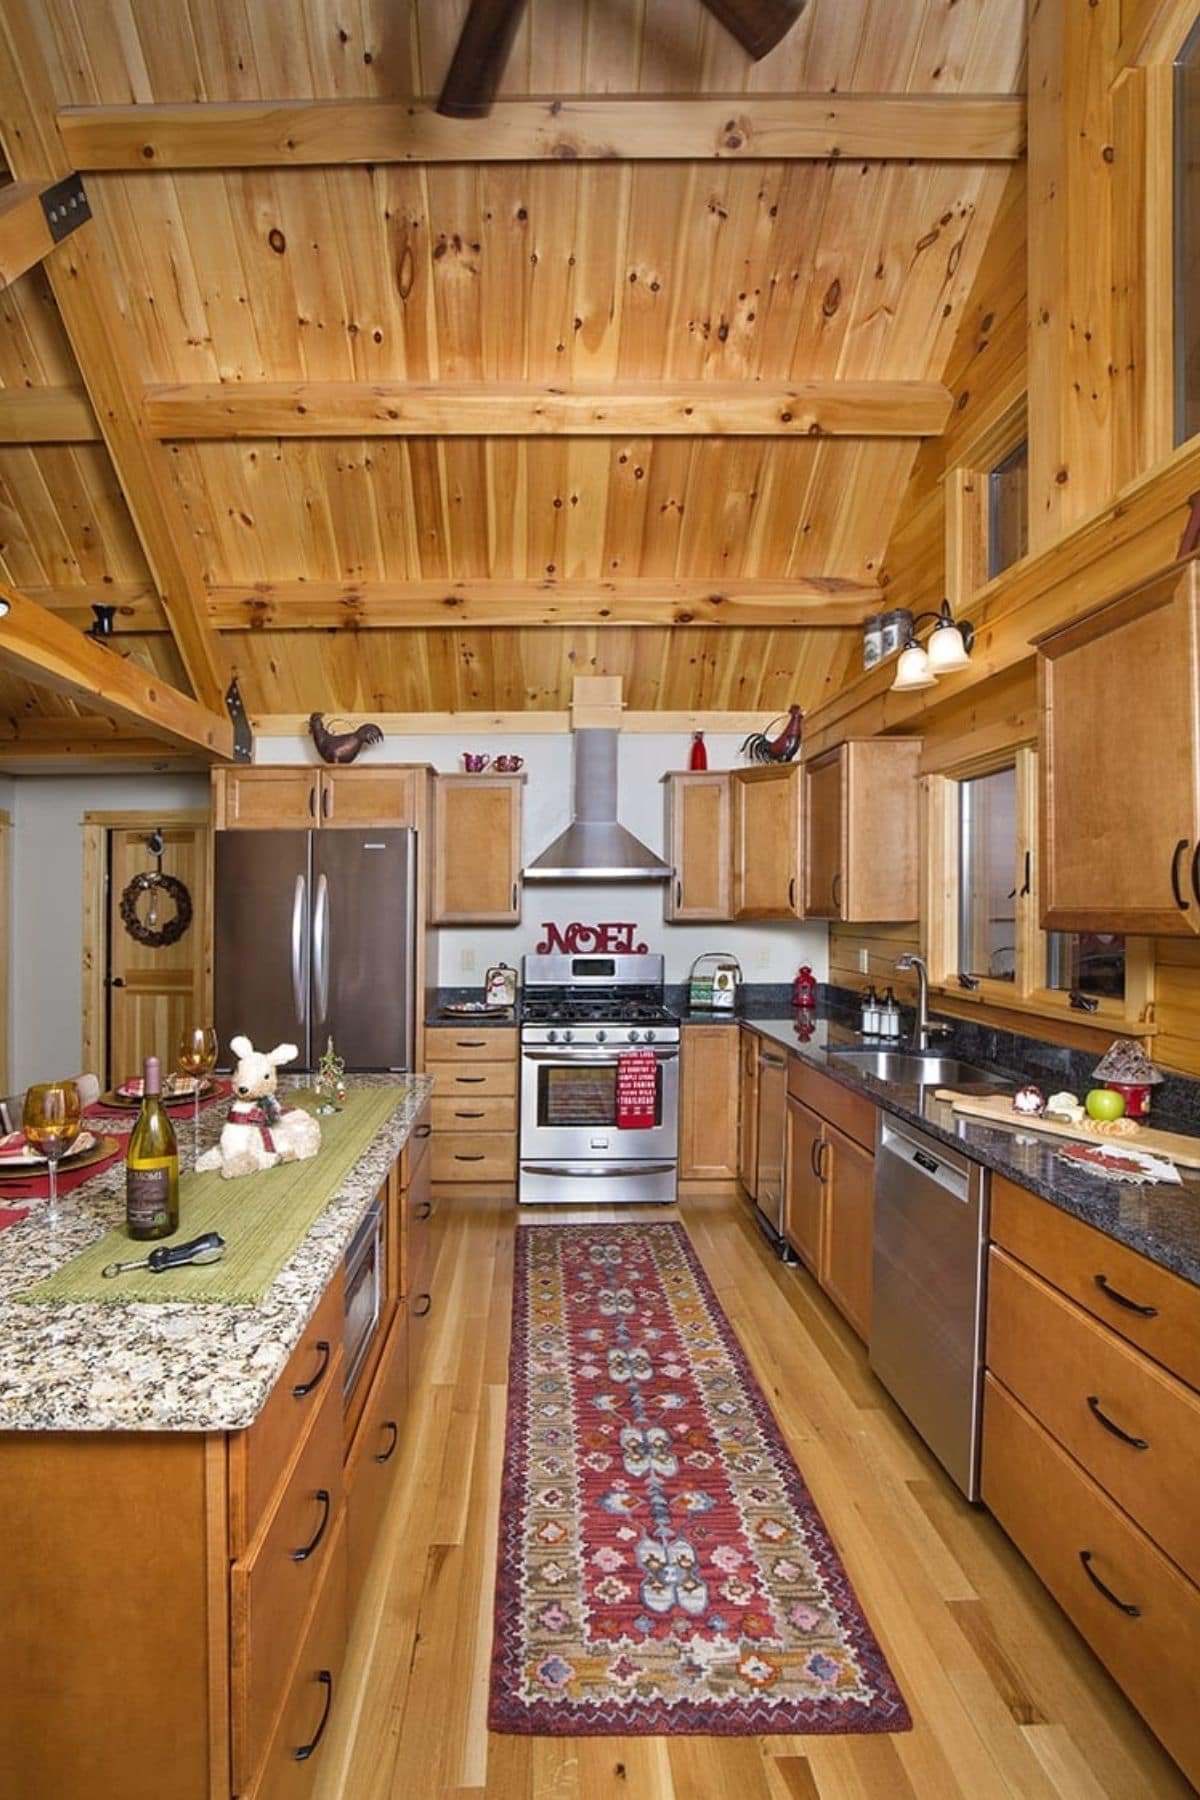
{"x":436,"y":1013}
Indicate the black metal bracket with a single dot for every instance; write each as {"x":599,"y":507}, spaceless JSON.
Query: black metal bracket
{"x":66,"y":207}
{"x":1083,"y":1002}
{"x":243,"y":737}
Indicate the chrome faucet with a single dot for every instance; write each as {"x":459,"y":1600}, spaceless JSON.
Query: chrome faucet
{"x":924,"y":1029}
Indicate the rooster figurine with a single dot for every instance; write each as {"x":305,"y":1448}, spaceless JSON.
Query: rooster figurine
{"x":763,"y":749}
{"x":341,"y":746}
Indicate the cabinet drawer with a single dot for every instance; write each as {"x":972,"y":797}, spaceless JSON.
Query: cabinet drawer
{"x":1072,"y":1374}
{"x":1065,"y":1526}
{"x":313,"y":1689}
{"x":496,"y":1112}
{"x":496,"y":1044}
{"x":258,"y":1457}
{"x":849,"y":1112}
{"x":1154,"y":1309}
{"x":375,"y":1457}
{"x":274,"y":1586}
{"x":474,"y":1156}
{"x":474,"y":1081}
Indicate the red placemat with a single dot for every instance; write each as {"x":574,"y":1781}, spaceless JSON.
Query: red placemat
{"x":12,"y":1215}
{"x":37,"y":1186}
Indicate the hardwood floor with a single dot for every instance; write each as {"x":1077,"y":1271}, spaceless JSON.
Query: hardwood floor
{"x":1006,"y":1698}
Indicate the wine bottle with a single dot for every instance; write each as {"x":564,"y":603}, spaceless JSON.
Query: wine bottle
{"x":152,"y":1165}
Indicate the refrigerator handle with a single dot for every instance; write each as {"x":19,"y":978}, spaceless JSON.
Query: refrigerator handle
{"x":299,"y":974}
{"x":321,"y":948}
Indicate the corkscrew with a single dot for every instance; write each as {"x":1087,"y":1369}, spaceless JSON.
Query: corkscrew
{"x":207,"y":1249}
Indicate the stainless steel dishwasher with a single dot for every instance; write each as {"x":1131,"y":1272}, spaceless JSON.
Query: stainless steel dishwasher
{"x":927,"y":1308}
{"x":770,"y":1197}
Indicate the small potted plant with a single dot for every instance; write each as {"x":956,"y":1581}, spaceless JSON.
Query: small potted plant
{"x":1128,"y":1071}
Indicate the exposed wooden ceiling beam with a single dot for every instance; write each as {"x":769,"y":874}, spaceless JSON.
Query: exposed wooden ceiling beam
{"x":100,"y":339}
{"x":246,"y":409}
{"x":35,"y":742}
{"x":533,"y":724}
{"x":817,"y":602}
{"x":24,"y":234}
{"x":267,"y":134}
{"x":479,"y":58}
{"x":47,"y":651}
{"x":47,"y":415}
{"x":138,"y":606}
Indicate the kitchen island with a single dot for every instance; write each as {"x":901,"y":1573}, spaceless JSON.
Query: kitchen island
{"x":193,"y":1493}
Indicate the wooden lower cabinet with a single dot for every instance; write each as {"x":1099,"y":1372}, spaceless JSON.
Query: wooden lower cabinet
{"x":474,"y":1108}
{"x":848,"y":1172}
{"x":375,"y":1456}
{"x":748,"y":1112}
{"x":292,"y":1761}
{"x":804,"y":1209}
{"x":708,"y":1102}
{"x":830,"y":1210}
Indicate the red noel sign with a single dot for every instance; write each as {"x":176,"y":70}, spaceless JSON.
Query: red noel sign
{"x":637,"y":1090}
{"x":582,"y":940}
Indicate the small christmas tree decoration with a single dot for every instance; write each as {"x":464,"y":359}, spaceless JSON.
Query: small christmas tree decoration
{"x":331,"y":1088}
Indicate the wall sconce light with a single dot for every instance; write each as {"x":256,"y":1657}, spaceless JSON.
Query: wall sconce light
{"x":948,"y":649}
{"x":5,"y":607}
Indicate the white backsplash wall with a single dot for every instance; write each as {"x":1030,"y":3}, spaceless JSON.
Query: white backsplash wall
{"x":766,"y":952}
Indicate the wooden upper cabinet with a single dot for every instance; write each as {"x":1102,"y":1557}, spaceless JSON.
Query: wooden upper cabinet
{"x":861,"y":830}
{"x":766,"y":842}
{"x":700,"y":845}
{"x":248,"y":797}
{"x":476,"y":849}
{"x":379,"y":797}
{"x":1120,"y":737}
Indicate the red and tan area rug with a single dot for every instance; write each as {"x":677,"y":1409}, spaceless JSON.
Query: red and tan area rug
{"x":662,"y":1567}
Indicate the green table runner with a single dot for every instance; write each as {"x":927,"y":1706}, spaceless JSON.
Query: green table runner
{"x":261,"y":1217}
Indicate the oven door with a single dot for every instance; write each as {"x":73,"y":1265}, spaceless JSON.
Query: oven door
{"x":569,"y":1106}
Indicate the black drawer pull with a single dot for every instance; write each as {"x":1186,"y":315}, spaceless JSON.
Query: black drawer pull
{"x":1135,"y":1443}
{"x":470,"y":1080}
{"x":470,"y":1115}
{"x":470,"y":1043}
{"x":476,"y":1156}
{"x":383,"y":1456}
{"x":302,"y":1555}
{"x":1131,"y":1612}
{"x":424,"y":1210}
{"x":1110,"y":1293}
{"x":325,"y":1677}
{"x":813,"y":1164}
{"x":423,"y":1131}
{"x":303,"y":1388}
{"x":1181,"y":903}
{"x":421,"y":1305}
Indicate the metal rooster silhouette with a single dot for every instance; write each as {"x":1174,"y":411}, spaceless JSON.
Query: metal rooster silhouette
{"x":341,"y":746}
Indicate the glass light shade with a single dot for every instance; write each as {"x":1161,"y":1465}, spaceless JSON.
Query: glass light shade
{"x":913,"y":671}
{"x":946,"y":650}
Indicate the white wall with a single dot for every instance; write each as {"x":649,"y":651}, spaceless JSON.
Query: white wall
{"x":767,"y":952}
{"x":47,"y":903}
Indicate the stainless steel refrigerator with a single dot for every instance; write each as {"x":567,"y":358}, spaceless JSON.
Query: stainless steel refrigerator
{"x":315,"y":937}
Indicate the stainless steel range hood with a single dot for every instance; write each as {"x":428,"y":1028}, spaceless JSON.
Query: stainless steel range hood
{"x":595,"y":847}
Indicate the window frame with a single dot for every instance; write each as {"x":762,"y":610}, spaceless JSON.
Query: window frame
{"x":968,"y":510}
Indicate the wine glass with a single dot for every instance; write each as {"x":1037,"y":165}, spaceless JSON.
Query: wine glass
{"x":198,"y":1049}
{"x":51,"y":1121}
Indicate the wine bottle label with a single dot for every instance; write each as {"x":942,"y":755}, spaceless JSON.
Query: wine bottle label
{"x":147,"y":1197}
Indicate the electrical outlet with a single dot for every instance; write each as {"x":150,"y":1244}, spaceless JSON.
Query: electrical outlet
{"x":864,"y":962}
{"x":467,"y":962}
{"x":763,"y":959}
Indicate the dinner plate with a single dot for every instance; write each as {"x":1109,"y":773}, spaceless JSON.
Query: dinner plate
{"x":82,"y":1152}
{"x":121,"y":1100}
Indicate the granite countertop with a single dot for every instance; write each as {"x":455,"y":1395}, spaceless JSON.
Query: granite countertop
{"x":1162,"y":1223}
{"x":170,"y":1366}
{"x":436,"y":1003}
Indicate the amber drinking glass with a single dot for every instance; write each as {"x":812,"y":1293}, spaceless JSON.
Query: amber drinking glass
{"x":51,"y":1122}
{"x":198,"y":1049}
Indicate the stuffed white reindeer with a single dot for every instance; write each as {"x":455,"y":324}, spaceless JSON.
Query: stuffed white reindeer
{"x":258,"y":1133}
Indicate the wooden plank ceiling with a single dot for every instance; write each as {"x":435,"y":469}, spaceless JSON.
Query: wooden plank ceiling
{"x":623,"y":282}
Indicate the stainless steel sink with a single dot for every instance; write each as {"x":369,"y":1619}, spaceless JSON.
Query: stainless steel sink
{"x":920,"y":1071}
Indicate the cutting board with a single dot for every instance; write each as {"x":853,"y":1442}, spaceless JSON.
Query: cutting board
{"x":997,"y":1109}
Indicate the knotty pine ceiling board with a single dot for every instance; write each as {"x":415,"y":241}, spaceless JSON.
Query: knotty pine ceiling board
{"x":114,"y":51}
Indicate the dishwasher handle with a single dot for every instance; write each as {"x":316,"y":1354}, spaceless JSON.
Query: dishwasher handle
{"x":943,"y":1166}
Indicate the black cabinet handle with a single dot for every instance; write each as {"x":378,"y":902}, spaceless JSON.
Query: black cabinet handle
{"x":1131,"y":1612}
{"x":813,"y":1164}
{"x":792,"y":891}
{"x":423,"y":1131}
{"x":822,"y":1147}
{"x":514,"y":897}
{"x":1196,"y":870}
{"x":678,"y":892}
{"x":383,"y":1456}
{"x":325,"y":1677}
{"x":470,"y":1080}
{"x":312,"y":802}
{"x":1181,"y":903}
{"x":303,"y":1554}
{"x":469,"y":1115}
{"x":476,"y":1156}
{"x":836,"y":891}
{"x":1135,"y":1443}
{"x":470,"y":1044}
{"x":1144,"y":1312}
{"x":424,"y":1210}
{"x":421,"y":1305}
{"x":303,"y":1388}
{"x":324,"y":801}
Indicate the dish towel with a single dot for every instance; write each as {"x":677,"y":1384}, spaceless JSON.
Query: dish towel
{"x":637,"y":1090}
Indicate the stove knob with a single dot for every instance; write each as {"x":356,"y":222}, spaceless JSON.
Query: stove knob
{"x":567,"y":1036}
{"x":634,"y":1036}
{"x":552,"y":1037}
{"x":650,"y":1036}
{"x":601,"y":1037}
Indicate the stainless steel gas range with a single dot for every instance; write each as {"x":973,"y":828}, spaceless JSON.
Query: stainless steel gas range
{"x":579,"y":1015}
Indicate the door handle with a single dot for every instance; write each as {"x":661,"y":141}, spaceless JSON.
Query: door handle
{"x":514,"y":896}
{"x":325,"y":1678}
{"x":1181,"y":903}
{"x":1196,"y":870}
{"x":1102,"y":1418}
{"x":792,"y":891}
{"x":822,"y":1147}
{"x":325,"y":799}
{"x":383,"y":1456}
{"x":303,"y":1388}
{"x":678,"y":892}
{"x":835,"y":890}
{"x":299,"y":997}
{"x":116,"y":981}
{"x":306,"y":1550}
{"x":321,"y":947}
{"x":812,"y":1157}
{"x":1125,"y":1606}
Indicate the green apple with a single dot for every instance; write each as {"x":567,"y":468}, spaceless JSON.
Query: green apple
{"x":1102,"y":1103}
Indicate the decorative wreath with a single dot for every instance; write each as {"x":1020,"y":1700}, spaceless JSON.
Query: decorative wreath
{"x":173,"y":930}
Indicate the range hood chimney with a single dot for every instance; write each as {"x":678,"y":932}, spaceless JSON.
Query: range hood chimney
{"x":595,"y":847}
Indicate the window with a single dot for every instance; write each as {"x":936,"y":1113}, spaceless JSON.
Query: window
{"x":987,"y":884}
{"x":1086,"y":962}
{"x":1187,"y":238}
{"x":1008,"y":510}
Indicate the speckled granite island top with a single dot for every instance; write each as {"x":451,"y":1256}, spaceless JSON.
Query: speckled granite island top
{"x":169,"y":1367}
{"x":1162,"y":1223}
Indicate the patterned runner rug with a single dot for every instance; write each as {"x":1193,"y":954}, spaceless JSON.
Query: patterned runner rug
{"x":662,"y":1567}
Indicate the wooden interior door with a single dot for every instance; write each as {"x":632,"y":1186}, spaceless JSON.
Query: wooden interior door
{"x":155,"y":992}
